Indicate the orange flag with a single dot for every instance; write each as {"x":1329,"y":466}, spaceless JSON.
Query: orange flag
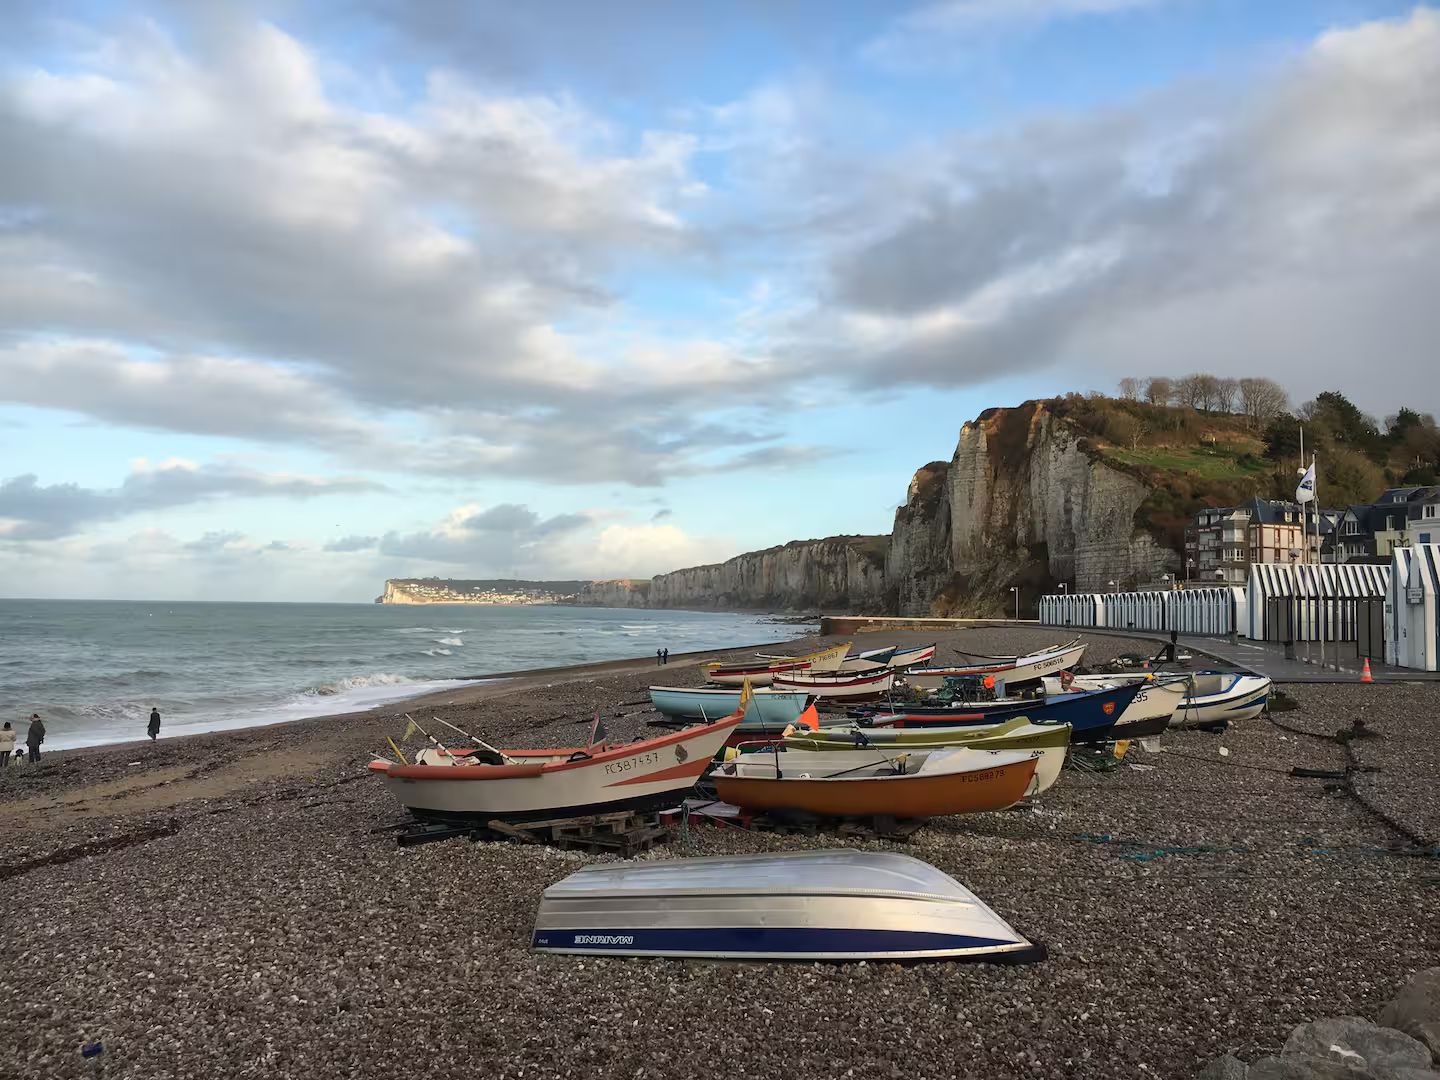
{"x":809,"y":718}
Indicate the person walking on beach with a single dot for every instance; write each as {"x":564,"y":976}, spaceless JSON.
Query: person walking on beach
{"x":7,"y":744}
{"x":664,"y":656}
{"x":35,"y":736}
{"x":154,"y":728}
{"x":658,"y":655}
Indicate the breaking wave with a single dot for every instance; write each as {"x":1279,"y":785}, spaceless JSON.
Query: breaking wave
{"x":437,"y":652}
{"x":357,"y":682}
{"x":448,"y":641}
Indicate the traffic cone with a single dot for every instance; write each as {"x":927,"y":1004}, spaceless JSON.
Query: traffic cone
{"x":1365,"y":671}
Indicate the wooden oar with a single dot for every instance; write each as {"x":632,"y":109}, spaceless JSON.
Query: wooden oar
{"x":433,"y":741}
{"x":475,"y":739}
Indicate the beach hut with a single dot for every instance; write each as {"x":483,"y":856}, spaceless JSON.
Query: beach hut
{"x":1412,"y":608}
{"x":1288,"y":603}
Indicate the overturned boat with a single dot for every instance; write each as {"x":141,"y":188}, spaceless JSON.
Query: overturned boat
{"x":770,"y":706}
{"x":534,"y":785}
{"x":798,"y":905}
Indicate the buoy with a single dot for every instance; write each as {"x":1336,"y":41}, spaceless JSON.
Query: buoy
{"x":1365,"y":671}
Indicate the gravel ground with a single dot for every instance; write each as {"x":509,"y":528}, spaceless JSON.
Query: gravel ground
{"x":1197,"y":905}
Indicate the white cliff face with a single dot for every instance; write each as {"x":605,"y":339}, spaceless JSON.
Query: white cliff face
{"x":1021,"y":485}
{"x":1021,"y":501}
{"x":835,"y":573}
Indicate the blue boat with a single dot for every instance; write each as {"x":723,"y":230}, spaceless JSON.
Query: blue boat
{"x":1092,"y":715}
{"x":768,"y":708}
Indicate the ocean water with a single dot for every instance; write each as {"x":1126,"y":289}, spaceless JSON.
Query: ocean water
{"x":94,"y":669}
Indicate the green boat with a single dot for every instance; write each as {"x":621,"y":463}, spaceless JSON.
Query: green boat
{"x":1051,"y":741}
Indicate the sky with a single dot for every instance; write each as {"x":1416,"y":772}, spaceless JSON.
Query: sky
{"x":295,"y":297}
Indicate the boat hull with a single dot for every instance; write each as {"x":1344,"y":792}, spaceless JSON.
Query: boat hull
{"x":803,"y":905}
{"x":916,"y":795}
{"x":768,"y":708}
{"x":1049,"y":760}
{"x":639,"y":776}
{"x":840,"y":687}
{"x":1015,"y":673}
{"x":1050,"y":741}
{"x":1092,"y":715}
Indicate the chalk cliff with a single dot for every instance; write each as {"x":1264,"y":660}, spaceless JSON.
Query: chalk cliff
{"x":837,"y":572}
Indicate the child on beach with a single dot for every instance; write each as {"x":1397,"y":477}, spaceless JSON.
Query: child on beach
{"x":7,"y":744}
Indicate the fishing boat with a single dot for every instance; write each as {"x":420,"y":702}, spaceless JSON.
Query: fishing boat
{"x":761,"y":672}
{"x":708,"y":703}
{"x":908,"y":658}
{"x":838,"y":686}
{"x":1050,"y":741}
{"x":1208,"y":698}
{"x":950,"y":781}
{"x":532,"y":785}
{"x":795,"y":905}
{"x":1222,"y":697}
{"x":1093,"y":716}
{"x":1015,"y":671}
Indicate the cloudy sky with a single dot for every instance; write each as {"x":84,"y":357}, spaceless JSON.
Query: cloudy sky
{"x":298,"y":296}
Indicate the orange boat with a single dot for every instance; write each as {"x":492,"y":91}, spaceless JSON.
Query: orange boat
{"x":915,"y":785}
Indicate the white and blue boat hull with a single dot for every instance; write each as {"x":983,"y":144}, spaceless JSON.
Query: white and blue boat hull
{"x":802,"y":905}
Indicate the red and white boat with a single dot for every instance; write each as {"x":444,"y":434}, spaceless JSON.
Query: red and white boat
{"x":533,"y":785}
{"x":762,"y":671}
{"x":839,"y":687}
{"x":1015,"y":670}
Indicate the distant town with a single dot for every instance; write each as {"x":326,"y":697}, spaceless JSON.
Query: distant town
{"x":436,"y":590}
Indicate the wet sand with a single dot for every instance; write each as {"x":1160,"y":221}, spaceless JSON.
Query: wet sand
{"x":222,"y":908}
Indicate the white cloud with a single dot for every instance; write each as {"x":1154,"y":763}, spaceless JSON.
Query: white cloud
{"x":1294,"y":231}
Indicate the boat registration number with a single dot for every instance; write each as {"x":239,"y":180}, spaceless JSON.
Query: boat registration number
{"x":632,"y":763}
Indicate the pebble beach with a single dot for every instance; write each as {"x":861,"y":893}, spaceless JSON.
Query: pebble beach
{"x":223,"y":906}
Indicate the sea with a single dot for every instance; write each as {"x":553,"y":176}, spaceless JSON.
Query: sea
{"x":94,"y":669}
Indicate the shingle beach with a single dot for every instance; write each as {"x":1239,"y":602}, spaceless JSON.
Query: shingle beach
{"x":224,"y":909}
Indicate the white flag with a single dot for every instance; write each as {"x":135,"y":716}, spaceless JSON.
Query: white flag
{"x":1305,"y":492}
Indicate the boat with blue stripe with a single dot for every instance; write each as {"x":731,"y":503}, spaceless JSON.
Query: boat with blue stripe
{"x":838,"y":904}
{"x":1093,"y":715}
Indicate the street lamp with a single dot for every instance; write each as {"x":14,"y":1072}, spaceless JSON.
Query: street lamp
{"x":1016,"y":590}
{"x":1111,"y":584}
{"x":1189,"y":565}
{"x":1064,"y":587}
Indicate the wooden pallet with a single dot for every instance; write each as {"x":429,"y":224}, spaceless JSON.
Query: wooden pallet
{"x":796,"y":824}
{"x":621,"y":833}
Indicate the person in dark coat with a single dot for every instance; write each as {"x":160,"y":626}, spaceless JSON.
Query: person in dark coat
{"x":664,"y":656}
{"x":154,"y":728}
{"x":35,"y":736}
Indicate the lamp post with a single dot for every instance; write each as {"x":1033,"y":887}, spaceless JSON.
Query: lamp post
{"x":1111,"y":585}
{"x":1016,"y":590}
{"x":1064,"y":588}
{"x":1189,"y":565}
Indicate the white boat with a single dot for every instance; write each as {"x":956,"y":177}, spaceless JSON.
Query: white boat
{"x":908,"y":658}
{"x":531,"y":785}
{"x":1222,"y":697}
{"x":800,"y":905}
{"x":1207,"y":698}
{"x":838,"y":687}
{"x":1014,"y":671}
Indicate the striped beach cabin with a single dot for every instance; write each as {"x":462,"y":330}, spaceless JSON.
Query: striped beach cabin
{"x":1412,"y":608}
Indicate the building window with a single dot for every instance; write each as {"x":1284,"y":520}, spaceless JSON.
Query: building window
{"x":1424,"y":538}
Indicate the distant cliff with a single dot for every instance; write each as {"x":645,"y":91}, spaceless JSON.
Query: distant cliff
{"x":1027,"y":500}
{"x":837,"y":572}
{"x":487,"y":591}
